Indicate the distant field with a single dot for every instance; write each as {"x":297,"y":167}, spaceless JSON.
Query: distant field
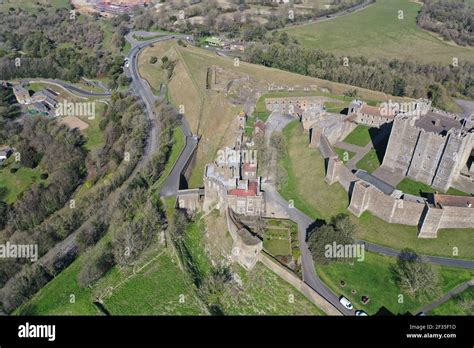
{"x":32,"y":5}
{"x":376,"y":32}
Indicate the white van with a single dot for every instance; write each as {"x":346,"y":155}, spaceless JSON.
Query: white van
{"x":345,"y":302}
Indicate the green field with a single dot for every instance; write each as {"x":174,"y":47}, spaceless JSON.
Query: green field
{"x":306,"y":171}
{"x":306,"y":187}
{"x":94,"y":135}
{"x":369,"y":162}
{"x":155,"y":289}
{"x":16,"y":183}
{"x":453,"y":305}
{"x":159,"y":289}
{"x":55,"y":297}
{"x":377,"y":32}
{"x":372,"y":277}
{"x":360,"y":136}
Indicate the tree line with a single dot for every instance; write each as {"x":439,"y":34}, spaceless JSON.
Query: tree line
{"x":54,"y":45}
{"x":396,"y":77}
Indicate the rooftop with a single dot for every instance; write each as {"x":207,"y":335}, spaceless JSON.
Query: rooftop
{"x":437,"y":123}
{"x":252,"y":190}
{"x":453,"y":201}
{"x":372,"y":110}
{"x":374,"y":181}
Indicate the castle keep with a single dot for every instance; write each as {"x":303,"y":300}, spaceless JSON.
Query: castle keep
{"x":433,"y":148}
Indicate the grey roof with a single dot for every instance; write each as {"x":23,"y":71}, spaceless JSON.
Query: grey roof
{"x":374,"y":181}
{"x":325,"y":148}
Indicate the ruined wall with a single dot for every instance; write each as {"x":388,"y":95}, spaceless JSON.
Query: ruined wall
{"x":191,"y":200}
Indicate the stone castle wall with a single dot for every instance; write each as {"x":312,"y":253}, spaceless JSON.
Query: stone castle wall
{"x":365,"y":197}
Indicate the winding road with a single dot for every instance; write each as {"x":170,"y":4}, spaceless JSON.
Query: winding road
{"x":143,"y":90}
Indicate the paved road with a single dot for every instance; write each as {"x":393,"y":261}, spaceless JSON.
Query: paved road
{"x":73,"y":89}
{"x":437,"y":260}
{"x":456,"y":291}
{"x":143,"y":90}
{"x":309,"y":273}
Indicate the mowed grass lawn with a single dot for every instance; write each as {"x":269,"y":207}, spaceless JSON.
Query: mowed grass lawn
{"x":344,"y":155}
{"x":16,"y":183}
{"x":453,"y":306}
{"x":306,"y":172}
{"x":377,"y":32}
{"x":94,"y":135}
{"x":360,"y":136}
{"x":369,"y":162}
{"x":306,"y":187}
{"x":277,"y":242}
{"x":372,"y":277}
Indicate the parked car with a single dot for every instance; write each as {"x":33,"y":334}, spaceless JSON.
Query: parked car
{"x":345,"y":302}
{"x":361,"y":313}
{"x":127,"y":63}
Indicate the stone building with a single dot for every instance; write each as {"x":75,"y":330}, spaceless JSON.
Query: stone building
{"x":224,"y":188}
{"x":435,"y":149}
{"x":294,"y":106}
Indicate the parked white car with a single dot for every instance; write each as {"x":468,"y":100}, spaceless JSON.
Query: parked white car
{"x":361,"y":313}
{"x":127,"y":63}
{"x":345,"y":302}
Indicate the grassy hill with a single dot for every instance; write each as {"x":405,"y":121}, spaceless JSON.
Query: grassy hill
{"x":377,"y":32}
